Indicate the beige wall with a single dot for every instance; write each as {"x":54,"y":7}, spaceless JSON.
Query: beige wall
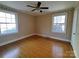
{"x":25,"y":26}
{"x":44,"y":26}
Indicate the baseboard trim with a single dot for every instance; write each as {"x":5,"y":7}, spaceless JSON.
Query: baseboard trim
{"x":74,"y":51}
{"x":53,"y":37}
{"x":1,"y":44}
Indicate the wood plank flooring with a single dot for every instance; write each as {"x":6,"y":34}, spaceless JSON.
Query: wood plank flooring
{"x":37,"y":47}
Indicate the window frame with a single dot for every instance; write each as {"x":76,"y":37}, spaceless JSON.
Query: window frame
{"x":16,"y":20}
{"x":60,"y":14}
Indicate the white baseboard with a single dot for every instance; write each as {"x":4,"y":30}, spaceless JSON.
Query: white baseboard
{"x":1,"y":44}
{"x":54,"y":37}
{"x":74,"y":51}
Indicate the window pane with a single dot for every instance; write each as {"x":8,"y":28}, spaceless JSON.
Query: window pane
{"x":3,"y":28}
{"x":2,"y":14}
{"x":63,"y":28}
{"x":9,"y":20}
{"x":2,"y":20}
{"x":0,"y":26}
{"x":11,"y":28}
{"x":13,"y":20}
{"x":8,"y":15}
{"x":59,"y":19}
{"x":13,"y":16}
{"x":58,"y":28}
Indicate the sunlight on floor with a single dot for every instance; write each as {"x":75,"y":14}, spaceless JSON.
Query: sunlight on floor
{"x":12,"y":53}
{"x":56,"y":50}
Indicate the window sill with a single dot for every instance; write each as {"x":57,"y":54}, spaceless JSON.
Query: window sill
{"x":8,"y":34}
{"x":59,"y":32}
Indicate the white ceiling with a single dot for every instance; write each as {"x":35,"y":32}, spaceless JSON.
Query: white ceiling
{"x":53,"y":5}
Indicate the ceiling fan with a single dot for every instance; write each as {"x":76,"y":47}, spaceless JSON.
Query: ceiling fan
{"x":37,"y":7}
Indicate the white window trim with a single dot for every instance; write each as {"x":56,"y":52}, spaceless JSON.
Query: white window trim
{"x":59,"y":14}
{"x":16,"y":22}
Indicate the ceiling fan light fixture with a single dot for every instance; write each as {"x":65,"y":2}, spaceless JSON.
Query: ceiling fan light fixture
{"x":37,"y":7}
{"x":41,"y":11}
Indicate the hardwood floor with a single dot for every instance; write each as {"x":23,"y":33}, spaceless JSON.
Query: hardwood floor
{"x":37,"y":47}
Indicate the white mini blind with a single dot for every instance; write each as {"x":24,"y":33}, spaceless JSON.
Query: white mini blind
{"x":8,"y":23}
{"x":59,"y":23}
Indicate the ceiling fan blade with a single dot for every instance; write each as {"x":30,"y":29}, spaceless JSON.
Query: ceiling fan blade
{"x":38,"y":5}
{"x":33,"y":9}
{"x":31,"y":6}
{"x":43,"y":7}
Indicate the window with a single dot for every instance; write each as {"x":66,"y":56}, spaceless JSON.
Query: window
{"x":7,"y":23}
{"x":59,"y":23}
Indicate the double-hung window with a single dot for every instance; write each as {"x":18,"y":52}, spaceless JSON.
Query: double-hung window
{"x":59,"y":23}
{"x":7,"y":23}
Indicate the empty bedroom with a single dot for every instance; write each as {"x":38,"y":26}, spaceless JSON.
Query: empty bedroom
{"x":39,"y":29}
